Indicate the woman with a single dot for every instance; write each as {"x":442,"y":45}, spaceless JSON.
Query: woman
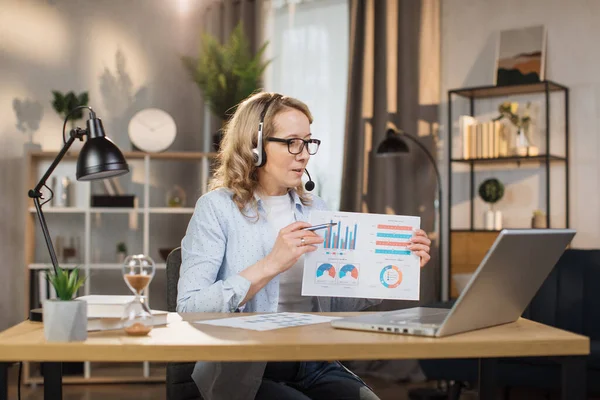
{"x":244,"y":246}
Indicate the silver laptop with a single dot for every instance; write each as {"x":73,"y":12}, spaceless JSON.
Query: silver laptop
{"x":503,"y":285}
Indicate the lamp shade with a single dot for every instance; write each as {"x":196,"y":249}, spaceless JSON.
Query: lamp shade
{"x":99,"y":158}
{"x":392,"y":145}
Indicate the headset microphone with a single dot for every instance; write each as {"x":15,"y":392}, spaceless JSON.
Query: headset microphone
{"x":310,"y":185}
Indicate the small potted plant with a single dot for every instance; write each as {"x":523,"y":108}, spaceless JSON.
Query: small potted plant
{"x":538,"y":220}
{"x":121,"y":251}
{"x":491,"y":191}
{"x":65,"y":319}
{"x":522,"y":122}
{"x":63,"y":103}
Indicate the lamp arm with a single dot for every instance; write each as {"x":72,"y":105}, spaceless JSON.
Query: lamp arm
{"x":92,"y":115}
{"x":36,"y":193}
{"x":439,"y":187}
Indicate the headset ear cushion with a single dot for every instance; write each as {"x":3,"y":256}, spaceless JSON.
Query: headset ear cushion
{"x":264,"y":156}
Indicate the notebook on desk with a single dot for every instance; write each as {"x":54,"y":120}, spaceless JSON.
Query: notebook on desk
{"x":506,"y":280}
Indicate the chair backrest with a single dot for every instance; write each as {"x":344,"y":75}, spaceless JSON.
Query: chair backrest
{"x":173,"y":266}
{"x":180,"y":385}
{"x":569,"y":299}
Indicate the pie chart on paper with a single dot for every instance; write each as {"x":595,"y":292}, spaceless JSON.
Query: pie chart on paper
{"x":390,"y":276}
{"x":326,"y":273}
{"x":349,"y":274}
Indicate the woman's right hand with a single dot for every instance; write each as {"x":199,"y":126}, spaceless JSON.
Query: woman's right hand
{"x":289,"y":246}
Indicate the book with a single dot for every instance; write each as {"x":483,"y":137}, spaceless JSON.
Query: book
{"x":107,"y":324}
{"x":106,"y":306}
{"x":105,"y":312}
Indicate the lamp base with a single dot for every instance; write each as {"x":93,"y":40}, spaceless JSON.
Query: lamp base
{"x":36,"y":315}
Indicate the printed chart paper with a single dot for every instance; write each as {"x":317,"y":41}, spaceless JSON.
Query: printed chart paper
{"x":266,"y":322}
{"x":364,"y":256}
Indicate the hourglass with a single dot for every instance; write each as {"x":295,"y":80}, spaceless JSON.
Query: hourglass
{"x":138,"y":271}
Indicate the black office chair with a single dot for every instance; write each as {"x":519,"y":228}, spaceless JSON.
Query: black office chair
{"x":180,"y":385}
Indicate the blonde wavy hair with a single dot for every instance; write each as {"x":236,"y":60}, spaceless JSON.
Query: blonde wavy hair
{"x":235,"y":162}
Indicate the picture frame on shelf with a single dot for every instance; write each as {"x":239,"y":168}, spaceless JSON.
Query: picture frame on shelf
{"x":521,"y":56}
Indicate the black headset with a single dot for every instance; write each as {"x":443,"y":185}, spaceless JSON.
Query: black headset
{"x":260,"y":156}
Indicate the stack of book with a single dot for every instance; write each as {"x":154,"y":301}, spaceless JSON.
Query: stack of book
{"x":489,"y":139}
{"x":105,"y":312}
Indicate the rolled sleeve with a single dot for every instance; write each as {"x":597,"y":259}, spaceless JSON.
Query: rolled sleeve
{"x":200,"y":288}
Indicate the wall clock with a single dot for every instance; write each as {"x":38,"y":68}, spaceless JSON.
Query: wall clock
{"x":152,"y":130}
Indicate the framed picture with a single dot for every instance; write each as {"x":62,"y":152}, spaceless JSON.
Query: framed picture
{"x":521,"y":56}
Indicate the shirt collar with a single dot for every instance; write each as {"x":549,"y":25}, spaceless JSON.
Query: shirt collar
{"x":292,"y":193}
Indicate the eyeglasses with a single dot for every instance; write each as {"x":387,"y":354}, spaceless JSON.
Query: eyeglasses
{"x":296,"y":145}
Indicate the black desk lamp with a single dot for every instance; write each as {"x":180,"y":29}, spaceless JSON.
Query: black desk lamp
{"x":395,"y":145}
{"x":98,"y":159}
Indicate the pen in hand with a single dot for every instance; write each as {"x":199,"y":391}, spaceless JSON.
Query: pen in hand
{"x":321,"y":226}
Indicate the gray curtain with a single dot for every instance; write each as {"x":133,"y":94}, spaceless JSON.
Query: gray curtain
{"x":220,"y":18}
{"x":394,"y":77}
{"x":223,"y":15}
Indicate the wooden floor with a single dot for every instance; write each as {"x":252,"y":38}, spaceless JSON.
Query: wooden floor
{"x":155,"y":391}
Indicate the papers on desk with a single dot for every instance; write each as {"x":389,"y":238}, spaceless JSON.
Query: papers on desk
{"x":365,"y":256}
{"x":266,"y":322}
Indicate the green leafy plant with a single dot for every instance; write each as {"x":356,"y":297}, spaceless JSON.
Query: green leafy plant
{"x":491,"y":190}
{"x":65,"y":102}
{"x":226,"y":73}
{"x":121,"y":247}
{"x":510,"y":111}
{"x":65,"y":282}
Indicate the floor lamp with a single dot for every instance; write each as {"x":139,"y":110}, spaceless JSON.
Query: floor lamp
{"x":395,"y":145}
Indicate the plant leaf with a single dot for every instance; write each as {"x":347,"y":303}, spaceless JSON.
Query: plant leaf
{"x":226,"y":73}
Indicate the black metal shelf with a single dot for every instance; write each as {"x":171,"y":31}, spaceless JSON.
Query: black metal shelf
{"x":509,"y":159}
{"x":478,"y":92}
{"x":471,"y":94}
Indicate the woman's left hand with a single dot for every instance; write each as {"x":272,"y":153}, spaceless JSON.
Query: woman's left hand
{"x":420,"y":246}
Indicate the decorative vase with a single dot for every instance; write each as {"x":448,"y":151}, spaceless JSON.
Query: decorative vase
{"x":522,"y":143}
{"x":490,"y":219}
{"x":176,"y":197}
{"x":498,"y":220}
{"x":65,"y":321}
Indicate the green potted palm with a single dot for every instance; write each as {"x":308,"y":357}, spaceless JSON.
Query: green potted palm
{"x":226,"y":73}
{"x":65,"y":319}
{"x":491,"y":191}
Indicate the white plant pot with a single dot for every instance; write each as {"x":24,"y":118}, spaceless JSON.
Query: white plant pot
{"x":65,"y":321}
{"x":489,"y":219}
{"x":498,"y":220}
{"x":493,"y":220}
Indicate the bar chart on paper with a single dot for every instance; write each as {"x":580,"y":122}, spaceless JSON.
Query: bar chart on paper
{"x":363,"y":255}
{"x":393,"y":239}
{"x":340,"y":237}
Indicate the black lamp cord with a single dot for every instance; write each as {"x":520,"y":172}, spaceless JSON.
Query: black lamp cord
{"x":92,"y":115}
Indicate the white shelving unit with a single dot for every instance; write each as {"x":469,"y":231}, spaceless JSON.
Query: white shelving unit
{"x":146,"y":183}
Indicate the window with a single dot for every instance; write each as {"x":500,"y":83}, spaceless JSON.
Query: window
{"x":308,"y":43}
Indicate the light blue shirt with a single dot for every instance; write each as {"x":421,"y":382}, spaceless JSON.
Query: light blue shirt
{"x":219,"y":243}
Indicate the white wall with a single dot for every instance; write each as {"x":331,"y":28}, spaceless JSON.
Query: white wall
{"x":125,"y":53}
{"x":469,"y":37}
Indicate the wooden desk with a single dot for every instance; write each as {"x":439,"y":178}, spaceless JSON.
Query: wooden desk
{"x":181,"y":341}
